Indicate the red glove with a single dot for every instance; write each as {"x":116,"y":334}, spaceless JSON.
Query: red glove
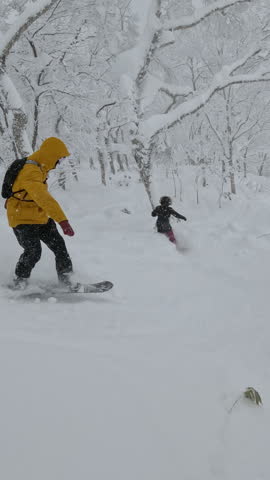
{"x":67,"y":229}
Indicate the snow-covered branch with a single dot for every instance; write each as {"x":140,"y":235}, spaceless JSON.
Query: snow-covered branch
{"x":201,"y":14}
{"x":31,"y":13}
{"x":221,"y":80}
{"x":175,"y":90}
{"x":154,"y":86}
{"x":158,"y":28}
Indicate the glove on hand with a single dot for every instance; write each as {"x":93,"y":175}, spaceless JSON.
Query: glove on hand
{"x":67,"y":229}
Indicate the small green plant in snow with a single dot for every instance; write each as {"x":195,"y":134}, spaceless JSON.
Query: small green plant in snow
{"x":251,"y":394}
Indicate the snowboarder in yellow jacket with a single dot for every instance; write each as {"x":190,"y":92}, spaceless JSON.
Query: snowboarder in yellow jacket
{"x":32,"y":213}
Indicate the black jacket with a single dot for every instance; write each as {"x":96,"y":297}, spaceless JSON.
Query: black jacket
{"x":163,"y":221}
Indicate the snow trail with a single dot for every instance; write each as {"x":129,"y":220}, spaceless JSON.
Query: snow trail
{"x":137,"y":382}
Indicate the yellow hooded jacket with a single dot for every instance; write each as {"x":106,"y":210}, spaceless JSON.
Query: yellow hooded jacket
{"x":31,"y":180}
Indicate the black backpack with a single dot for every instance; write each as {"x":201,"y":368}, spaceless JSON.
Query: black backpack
{"x":11,"y":175}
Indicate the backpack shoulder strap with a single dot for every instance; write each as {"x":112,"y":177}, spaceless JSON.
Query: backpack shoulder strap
{"x":32,"y":162}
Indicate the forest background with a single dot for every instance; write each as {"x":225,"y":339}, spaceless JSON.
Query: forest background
{"x":140,"y":88}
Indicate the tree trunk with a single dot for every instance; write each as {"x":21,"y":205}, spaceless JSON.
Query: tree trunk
{"x":111,"y":163}
{"x":144,"y":164}
{"x":125,"y":157}
{"x":120,"y":163}
{"x":232,"y":180}
{"x":261,"y":167}
{"x":245,"y":169}
{"x":229,"y":133}
{"x":102,"y":167}
{"x":35,"y":132}
{"x":91,"y":163}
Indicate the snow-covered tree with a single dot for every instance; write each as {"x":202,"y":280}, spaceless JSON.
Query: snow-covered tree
{"x":151,"y":79}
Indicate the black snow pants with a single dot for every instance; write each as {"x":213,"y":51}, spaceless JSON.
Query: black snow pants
{"x":30,"y":237}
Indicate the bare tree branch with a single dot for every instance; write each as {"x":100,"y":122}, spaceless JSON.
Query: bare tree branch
{"x":105,"y":106}
{"x":48,"y":19}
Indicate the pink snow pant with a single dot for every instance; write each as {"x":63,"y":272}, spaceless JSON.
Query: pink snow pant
{"x":170,"y":236}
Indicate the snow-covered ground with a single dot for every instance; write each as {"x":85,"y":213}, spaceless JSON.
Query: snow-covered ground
{"x":136,"y":384}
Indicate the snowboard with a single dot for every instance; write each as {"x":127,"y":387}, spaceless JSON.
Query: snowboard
{"x":99,"y":287}
{"x":49,"y":291}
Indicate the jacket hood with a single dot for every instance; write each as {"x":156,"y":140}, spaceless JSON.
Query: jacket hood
{"x":51,"y":150}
